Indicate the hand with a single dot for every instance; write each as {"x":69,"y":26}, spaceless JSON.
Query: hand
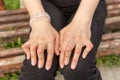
{"x":43,"y":36}
{"x":74,"y":36}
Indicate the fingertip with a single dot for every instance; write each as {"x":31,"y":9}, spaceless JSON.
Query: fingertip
{"x":73,"y":66}
{"x":61,"y":66}
{"x":28,"y":57}
{"x":84,"y":56}
{"x":57,"y":52}
{"x":47,"y":67}
{"x":33,"y":63}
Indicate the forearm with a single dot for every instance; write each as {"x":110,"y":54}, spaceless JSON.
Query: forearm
{"x":34,"y":6}
{"x":85,"y":11}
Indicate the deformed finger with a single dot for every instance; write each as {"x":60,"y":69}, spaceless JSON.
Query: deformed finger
{"x":33,"y":50}
{"x":88,"y":48}
{"x":40,"y":53}
{"x":50,"y":54}
{"x":76,"y":56}
{"x":26,"y":49}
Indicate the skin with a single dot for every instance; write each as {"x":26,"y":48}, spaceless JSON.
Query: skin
{"x":76,"y":35}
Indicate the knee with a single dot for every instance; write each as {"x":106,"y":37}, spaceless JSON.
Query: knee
{"x":80,"y":71}
{"x":29,"y":72}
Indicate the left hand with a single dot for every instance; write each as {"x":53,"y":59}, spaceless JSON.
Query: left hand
{"x":76,"y":36}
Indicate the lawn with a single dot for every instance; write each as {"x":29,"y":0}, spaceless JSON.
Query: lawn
{"x":12,"y":4}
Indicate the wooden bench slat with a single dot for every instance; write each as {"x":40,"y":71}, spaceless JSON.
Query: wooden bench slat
{"x":112,"y":20}
{"x":14,"y":25}
{"x":9,"y":36}
{"x":109,"y":2}
{"x":11,"y":52}
{"x":14,"y":18}
{"x":13,"y":12}
{"x":111,"y":36}
{"x":113,"y":12}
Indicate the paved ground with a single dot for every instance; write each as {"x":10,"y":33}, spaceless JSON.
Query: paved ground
{"x":108,"y":73}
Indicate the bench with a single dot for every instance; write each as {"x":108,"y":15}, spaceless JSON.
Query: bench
{"x":14,"y":24}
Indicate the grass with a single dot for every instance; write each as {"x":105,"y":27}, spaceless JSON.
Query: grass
{"x":12,"y":4}
{"x":11,"y":76}
{"x":13,"y":44}
{"x":110,"y":60}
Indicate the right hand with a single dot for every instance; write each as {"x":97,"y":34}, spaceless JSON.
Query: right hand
{"x":43,"y":36}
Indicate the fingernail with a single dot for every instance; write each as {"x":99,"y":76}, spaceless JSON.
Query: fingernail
{"x":84,"y":56}
{"x":58,"y":53}
{"x":47,"y":67}
{"x":27,"y":58}
{"x":40,"y":66}
{"x":33,"y":63}
{"x":61,"y":65}
{"x":73,"y":66}
{"x":66,"y":62}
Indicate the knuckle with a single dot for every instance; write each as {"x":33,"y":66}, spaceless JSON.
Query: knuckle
{"x":90,"y":45}
{"x":68,"y":48}
{"x":39,"y":50}
{"x":51,"y":51}
{"x":74,"y":60}
{"x":67,"y":56}
{"x":23,"y":46}
{"x":40,"y":59}
{"x":33,"y":47}
{"x":77,"y":51}
{"x":33,"y":56}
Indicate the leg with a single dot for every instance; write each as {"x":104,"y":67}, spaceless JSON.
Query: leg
{"x":28,"y":72}
{"x":86,"y":68}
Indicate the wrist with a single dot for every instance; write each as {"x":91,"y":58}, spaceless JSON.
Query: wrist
{"x":82,"y":22}
{"x":39,"y":18}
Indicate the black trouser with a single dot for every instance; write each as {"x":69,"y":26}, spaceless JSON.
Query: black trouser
{"x":86,"y":68}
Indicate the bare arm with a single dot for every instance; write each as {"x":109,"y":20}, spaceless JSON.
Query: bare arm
{"x":86,"y":11}
{"x":77,"y":34}
{"x":42,"y":37}
{"x":34,"y":7}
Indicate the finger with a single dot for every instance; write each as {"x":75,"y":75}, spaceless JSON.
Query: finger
{"x":40,"y":53}
{"x":57,"y":43}
{"x":61,"y":61}
{"x":50,"y":54}
{"x":61,"y":38}
{"x":88,"y":48}
{"x":33,"y":48}
{"x":62,"y":54}
{"x":26,"y":49}
{"x":76,"y":56}
{"x":68,"y":51}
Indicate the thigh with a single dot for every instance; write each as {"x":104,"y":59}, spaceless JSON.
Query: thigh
{"x":86,"y":68}
{"x":28,"y":72}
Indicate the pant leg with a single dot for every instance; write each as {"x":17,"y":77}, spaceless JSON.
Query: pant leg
{"x":28,"y":72}
{"x":86,"y":68}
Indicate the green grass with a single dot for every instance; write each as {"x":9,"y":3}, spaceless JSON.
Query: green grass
{"x":110,"y":60}
{"x":12,"y":4}
{"x":11,"y":76}
{"x":13,"y":44}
